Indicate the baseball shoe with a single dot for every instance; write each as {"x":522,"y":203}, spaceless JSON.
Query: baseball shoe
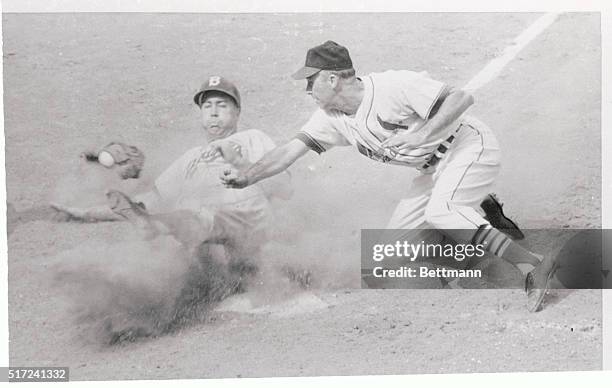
{"x":494,"y":213}
{"x":537,"y":282}
{"x":128,"y":335}
{"x":123,"y":206}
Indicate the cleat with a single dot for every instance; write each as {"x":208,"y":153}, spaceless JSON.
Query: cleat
{"x":537,"y":282}
{"x":128,"y":335}
{"x":495,"y":215}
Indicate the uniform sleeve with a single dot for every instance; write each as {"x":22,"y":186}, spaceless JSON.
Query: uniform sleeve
{"x":420,"y":92}
{"x":320,"y":133}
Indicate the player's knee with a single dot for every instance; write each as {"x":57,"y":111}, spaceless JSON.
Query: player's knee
{"x":439,"y":216}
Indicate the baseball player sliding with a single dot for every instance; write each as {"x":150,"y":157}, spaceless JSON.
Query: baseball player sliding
{"x":409,"y":119}
{"x":187,"y":200}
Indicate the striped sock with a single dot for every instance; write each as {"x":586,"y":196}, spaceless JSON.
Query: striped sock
{"x":502,"y":246}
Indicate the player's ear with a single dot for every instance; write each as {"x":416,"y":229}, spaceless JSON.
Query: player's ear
{"x":334,"y":81}
{"x":235,"y":106}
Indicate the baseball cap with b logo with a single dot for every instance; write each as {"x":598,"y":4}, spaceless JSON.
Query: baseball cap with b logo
{"x":217,"y":84}
{"x":327,"y":56}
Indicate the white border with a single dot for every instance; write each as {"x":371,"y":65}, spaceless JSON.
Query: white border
{"x":4,"y":334}
{"x":250,"y":6}
{"x":606,"y":173}
{"x":499,"y":380}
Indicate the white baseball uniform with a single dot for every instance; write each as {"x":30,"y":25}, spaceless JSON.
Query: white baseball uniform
{"x":192,"y":183}
{"x":396,"y":101}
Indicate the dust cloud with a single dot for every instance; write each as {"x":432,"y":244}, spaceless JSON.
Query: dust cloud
{"x":125,"y":290}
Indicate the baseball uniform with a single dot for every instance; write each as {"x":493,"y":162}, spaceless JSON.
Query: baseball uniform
{"x":192,"y":183}
{"x":447,"y":195}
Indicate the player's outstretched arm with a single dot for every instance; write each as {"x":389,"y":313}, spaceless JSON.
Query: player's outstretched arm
{"x":272,"y":163}
{"x":91,"y":214}
{"x":100,"y":213}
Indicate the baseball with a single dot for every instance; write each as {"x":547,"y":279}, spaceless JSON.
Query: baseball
{"x":106,"y":159}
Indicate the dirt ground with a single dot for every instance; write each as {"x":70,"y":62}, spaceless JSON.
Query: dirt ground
{"x":74,"y":81}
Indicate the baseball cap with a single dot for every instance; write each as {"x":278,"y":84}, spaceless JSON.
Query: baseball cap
{"x":218,"y":84}
{"x":327,"y":56}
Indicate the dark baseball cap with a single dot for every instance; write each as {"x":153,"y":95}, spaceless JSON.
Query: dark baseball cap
{"x":327,"y":56}
{"x":217,"y":84}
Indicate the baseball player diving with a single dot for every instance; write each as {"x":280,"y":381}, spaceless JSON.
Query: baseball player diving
{"x":406,"y":118}
{"x":187,"y":200}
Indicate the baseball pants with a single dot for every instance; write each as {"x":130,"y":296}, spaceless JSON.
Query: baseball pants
{"x":446,"y":202}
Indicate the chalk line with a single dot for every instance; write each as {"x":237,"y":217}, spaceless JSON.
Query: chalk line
{"x":493,"y":68}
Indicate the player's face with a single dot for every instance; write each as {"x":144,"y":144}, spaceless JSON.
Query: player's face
{"x":321,"y":89}
{"x":219,"y":115}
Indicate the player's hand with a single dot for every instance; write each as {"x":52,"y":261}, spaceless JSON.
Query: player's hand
{"x":232,"y":153}
{"x":66,"y":214}
{"x":403,"y":141}
{"x":233,"y":179}
{"x":212,"y":152}
{"x":229,"y":151}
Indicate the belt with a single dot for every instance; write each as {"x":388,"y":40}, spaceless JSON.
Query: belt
{"x":372,"y":154}
{"x":430,"y":166}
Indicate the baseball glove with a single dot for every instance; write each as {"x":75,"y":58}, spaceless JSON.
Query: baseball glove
{"x":128,"y":160}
